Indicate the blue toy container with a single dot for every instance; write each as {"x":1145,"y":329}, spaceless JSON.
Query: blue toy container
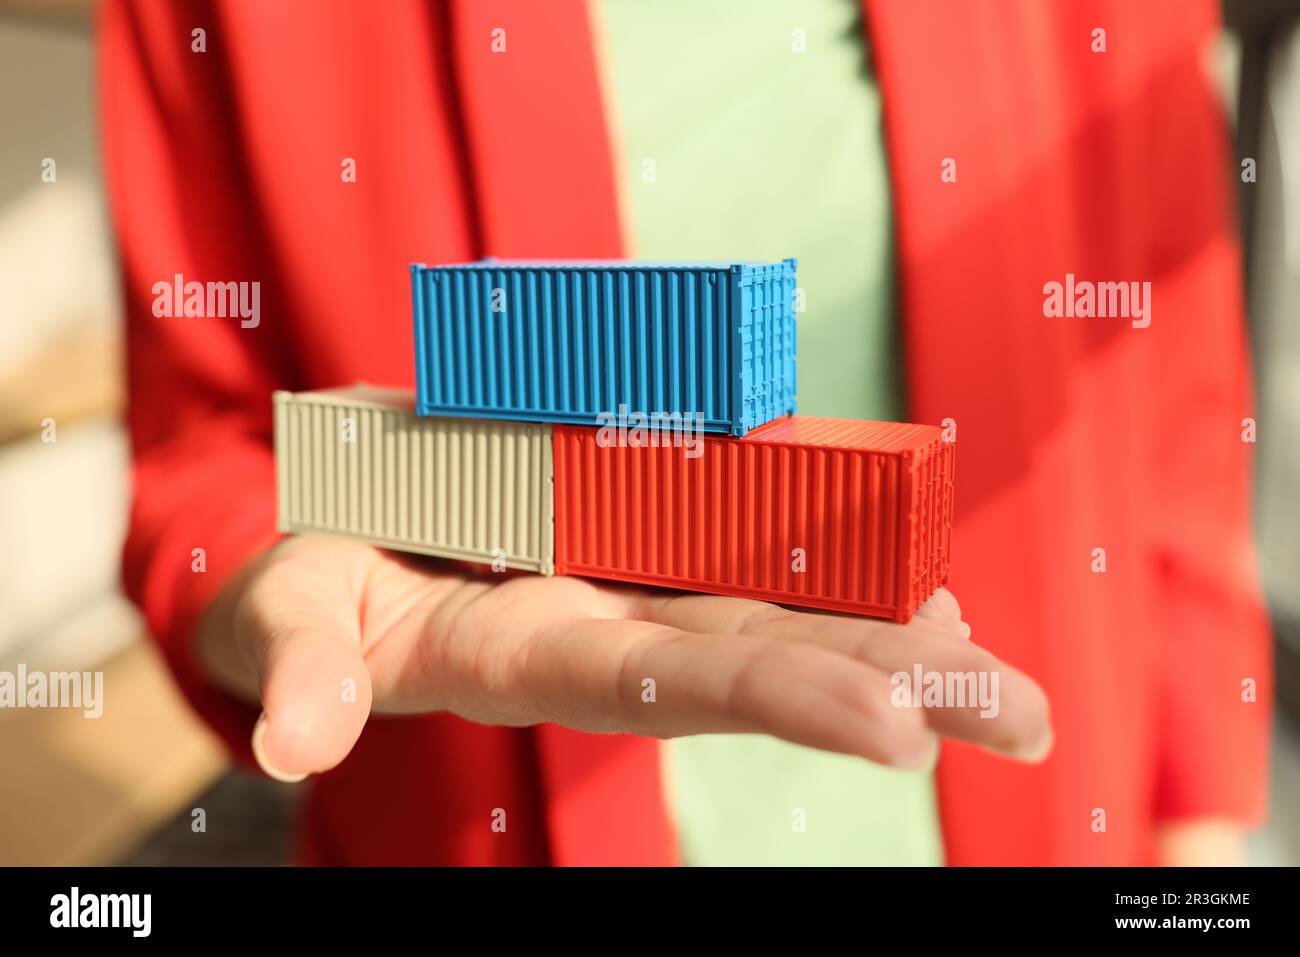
{"x":578,"y":342}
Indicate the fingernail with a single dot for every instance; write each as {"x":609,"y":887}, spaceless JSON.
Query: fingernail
{"x":259,"y":753}
{"x":965,"y":630}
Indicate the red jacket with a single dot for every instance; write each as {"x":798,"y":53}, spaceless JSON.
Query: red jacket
{"x":1075,"y":434}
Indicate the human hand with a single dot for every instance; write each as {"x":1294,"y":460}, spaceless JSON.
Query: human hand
{"x":316,"y":616}
{"x":1201,"y":842}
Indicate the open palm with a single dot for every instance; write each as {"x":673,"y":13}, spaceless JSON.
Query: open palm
{"x":323,"y":631}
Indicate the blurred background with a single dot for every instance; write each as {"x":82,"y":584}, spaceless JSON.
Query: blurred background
{"x":121,"y":789}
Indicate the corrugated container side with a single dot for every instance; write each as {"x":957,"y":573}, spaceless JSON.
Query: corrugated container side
{"x":765,"y":342}
{"x":932,"y":501}
{"x":570,"y":342}
{"x":825,"y":525}
{"x":455,"y":488}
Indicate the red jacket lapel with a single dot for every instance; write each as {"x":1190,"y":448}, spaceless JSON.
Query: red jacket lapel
{"x":1083,"y":433}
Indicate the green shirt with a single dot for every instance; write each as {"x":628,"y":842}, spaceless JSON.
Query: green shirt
{"x":750,"y":129}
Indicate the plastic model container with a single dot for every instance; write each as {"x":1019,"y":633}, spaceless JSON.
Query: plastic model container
{"x":577,"y":342}
{"x":358,"y":462}
{"x":826,"y":513}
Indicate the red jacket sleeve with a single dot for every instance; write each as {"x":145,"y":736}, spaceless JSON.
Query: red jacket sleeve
{"x":1214,"y":702}
{"x":199,"y":388}
{"x":1216,"y":694}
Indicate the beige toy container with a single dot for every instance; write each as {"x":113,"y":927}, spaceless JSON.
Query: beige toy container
{"x":358,"y":462}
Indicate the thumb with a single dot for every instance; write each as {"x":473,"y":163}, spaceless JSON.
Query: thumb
{"x":315,"y":687}
{"x":942,"y":607}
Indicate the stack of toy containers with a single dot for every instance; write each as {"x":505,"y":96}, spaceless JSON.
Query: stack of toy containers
{"x":677,"y":458}
{"x":630,"y":421}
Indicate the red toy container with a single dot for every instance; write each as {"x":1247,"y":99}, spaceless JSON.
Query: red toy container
{"x":828,"y":513}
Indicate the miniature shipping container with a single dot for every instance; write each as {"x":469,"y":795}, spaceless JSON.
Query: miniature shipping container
{"x":358,"y":462}
{"x":827,"y":513}
{"x":577,"y":342}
